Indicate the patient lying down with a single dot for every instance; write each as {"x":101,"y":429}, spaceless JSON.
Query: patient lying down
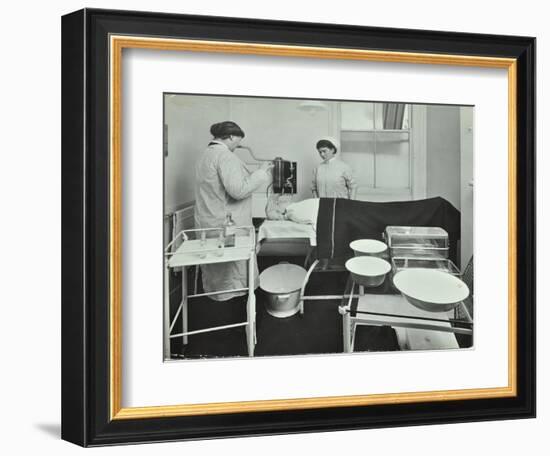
{"x":281,"y":207}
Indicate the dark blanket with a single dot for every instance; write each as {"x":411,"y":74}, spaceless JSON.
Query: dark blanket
{"x":341,"y":221}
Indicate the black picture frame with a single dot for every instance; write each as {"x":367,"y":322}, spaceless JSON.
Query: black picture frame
{"x":86,"y":386}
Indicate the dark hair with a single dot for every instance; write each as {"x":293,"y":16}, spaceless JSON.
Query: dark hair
{"x":326,"y":143}
{"x":224,"y":130}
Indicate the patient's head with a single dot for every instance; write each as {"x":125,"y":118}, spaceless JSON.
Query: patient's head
{"x":275,"y":208}
{"x":304,"y":212}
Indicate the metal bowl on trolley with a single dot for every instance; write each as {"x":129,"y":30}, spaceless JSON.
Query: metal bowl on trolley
{"x":369,"y":247}
{"x":368,"y":271}
{"x":430,"y":289}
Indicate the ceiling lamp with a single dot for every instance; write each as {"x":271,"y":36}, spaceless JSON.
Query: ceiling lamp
{"x":312,"y":106}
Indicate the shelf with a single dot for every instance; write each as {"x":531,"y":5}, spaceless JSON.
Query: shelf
{"x":189,"y":252}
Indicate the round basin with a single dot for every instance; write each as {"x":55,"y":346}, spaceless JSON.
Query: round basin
{"x":368,"y":271}
{"x":430,"y":289}
{"x":368,"y":247}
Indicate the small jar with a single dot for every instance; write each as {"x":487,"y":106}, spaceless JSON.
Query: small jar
{"x":202,"y":252}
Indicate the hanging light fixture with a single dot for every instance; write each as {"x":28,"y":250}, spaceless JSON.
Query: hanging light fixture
{"x":312,"y":106}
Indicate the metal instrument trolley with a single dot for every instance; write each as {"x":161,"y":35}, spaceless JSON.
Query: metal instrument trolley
{"x":200,"y":246}
{"x":386,"y":310}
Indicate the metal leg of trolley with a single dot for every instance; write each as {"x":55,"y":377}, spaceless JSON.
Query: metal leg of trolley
{"x":314,"y":267}
{"x":194,"y":253}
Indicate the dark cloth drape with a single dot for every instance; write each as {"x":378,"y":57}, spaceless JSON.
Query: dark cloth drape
{"x":341,"y":221}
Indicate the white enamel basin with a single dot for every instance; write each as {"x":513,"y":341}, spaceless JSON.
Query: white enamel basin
{"x":430,"y":289}
{"x":368,"y":247}
{"x":368,"y":271}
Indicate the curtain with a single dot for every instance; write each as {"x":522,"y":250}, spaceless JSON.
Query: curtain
{"x":393,"y":113}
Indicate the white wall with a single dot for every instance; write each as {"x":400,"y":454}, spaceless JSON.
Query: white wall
{"x":189,"y":119}
{"x":30,"y":189}
{"x":466,"y":185}
{"x":443,"y":153}
{"x":279,"y":128}
{"x":449,"y":165}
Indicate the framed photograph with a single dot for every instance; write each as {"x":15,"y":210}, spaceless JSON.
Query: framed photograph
{"x":272,"y":227}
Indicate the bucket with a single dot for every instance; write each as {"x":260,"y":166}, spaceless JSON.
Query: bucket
{"x":282,"y":284}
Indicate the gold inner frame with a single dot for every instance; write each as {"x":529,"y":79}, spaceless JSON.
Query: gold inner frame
{"x":117,"y":44}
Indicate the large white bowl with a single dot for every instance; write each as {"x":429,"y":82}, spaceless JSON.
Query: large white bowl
{"x":431,"y":290}
{"x":368,"y":271}
{"x":371,"y":247}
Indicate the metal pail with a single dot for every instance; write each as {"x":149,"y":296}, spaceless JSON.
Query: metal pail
{"x":282,"y":284}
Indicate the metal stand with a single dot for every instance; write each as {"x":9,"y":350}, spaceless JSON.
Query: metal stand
{"x":350,"y":322}
{"x":192,"y":253}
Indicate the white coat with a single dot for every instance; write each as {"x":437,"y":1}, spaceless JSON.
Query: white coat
{"x":224,"y":184}
{"x":333,"y":179}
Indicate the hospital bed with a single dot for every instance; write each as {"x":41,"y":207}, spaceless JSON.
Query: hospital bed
{"x":285,"y":238}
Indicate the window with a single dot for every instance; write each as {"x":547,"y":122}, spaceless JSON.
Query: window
{"x":376,"y":143}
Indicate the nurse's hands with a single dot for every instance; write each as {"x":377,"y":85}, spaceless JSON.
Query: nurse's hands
{"x":267,"y":166}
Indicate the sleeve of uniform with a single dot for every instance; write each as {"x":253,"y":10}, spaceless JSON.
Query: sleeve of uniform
{"x":238,"y":183}
{"x":351,"y":185}
{"x":314,"y":183}
{"x":350,"y":181}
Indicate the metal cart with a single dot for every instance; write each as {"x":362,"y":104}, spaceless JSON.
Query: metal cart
{"x":386,"y":310}
{"x":205,"y":250}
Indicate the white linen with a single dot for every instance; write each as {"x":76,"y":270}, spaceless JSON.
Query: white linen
{"x":286,"y":229}
{"x":304,"y":212}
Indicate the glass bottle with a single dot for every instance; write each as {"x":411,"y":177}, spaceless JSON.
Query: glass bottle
{"x":229,"y":230}
{"x":202,"y":251}
{"x":220,"y":244}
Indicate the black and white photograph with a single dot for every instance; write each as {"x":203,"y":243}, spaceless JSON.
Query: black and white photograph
{"x":315,"y":226}
{"x":251,"y":228}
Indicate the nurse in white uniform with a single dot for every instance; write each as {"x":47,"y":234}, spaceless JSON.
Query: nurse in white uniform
{"x":224,"y":184}
{"x":333,"y":178}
